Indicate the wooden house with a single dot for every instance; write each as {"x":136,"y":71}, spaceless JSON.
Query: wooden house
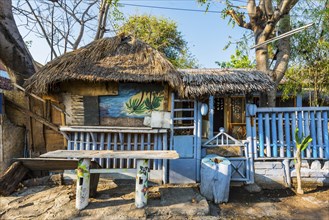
{"x":121,"y":94}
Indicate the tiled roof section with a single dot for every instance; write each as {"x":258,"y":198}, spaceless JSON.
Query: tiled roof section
{"x":5,"y":84}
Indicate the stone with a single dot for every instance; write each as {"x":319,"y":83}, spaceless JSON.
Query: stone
{"x":305,"y":164}
{"x":268,"y":165}
{"x":316,"y":165}
{"x":317,"y":174}
{"x":326,"y":166}
{"x":274,"y":172}
{"x":252,"y":188}
{"x":303,"y":171}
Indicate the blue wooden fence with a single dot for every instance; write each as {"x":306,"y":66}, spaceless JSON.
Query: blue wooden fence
{"x":272,"y":131}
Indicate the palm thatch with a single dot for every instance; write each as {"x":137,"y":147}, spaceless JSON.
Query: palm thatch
{"x":200,"y":82}
{"x":120,"y":58}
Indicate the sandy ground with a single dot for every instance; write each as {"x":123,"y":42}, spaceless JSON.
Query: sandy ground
{"x":115,"y":200}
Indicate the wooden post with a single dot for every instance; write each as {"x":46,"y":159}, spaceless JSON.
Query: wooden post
{"x":83,"y":184}
{"x":211,"y":117}
{"x":141,"y":183}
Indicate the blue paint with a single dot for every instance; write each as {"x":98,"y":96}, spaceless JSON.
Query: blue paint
{"x":274,"y":135}
{"x":313,"y":134}
{"x":300,"y":127}
{"x":319,"y":133}
{"x":267,"y":135}
{"x":280,"y":130}
{"x":287,"y":131}
{"x":261,"y":135}
{"x":307,"y":131}
{"x":115,"y":106}
{"x":293,"y":129}
{"x":325,"y":133}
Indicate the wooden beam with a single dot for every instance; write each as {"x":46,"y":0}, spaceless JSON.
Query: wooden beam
{"x":35,"y":116}
{"x":138,"y":154}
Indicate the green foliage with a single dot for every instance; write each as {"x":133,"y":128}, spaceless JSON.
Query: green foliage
{"x":161,"y":34}
{"x":309,"y":71}
{"x":301,"y":143}
{"x":135,"y":106}
{"x":152,"y":104}
{"x":238,"y":60}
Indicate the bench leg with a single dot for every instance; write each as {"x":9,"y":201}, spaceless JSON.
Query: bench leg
{"x":142,"y":183}
{"x":83,"y":184}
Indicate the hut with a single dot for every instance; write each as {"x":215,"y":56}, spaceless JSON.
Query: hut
{"x":119,"y":93}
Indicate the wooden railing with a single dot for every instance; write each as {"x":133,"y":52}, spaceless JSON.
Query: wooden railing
{"x":117,"y":138}
{"x":273,"y":132}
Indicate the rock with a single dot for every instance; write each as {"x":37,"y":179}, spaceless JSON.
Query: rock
{"x":253,"y":188}
{"x":326,"y":166}
{"x":316,"y":165}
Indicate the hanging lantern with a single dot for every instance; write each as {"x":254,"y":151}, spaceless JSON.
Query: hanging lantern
{"x":204,"y":109}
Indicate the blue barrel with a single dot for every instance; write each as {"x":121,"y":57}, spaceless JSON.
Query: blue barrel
{"x":215,"y":178}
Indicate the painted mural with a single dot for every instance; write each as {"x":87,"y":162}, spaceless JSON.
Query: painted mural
{"x":134,"y":101}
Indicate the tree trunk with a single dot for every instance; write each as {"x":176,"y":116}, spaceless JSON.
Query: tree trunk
{"x":13,"y":52}
{"x":298,"y":172}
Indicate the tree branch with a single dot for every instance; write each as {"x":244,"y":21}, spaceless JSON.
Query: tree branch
{"x":238,"y":18}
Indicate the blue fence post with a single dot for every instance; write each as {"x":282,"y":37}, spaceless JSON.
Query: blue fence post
{"x":325,"y":133}
{"x":274,"y":135}
{"x":319,"y":133}
{"x":313,"y":134}
{"x":261,"y":134}
{"x":287,"y":131}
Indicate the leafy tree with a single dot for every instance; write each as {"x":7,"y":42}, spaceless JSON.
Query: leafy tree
{"x":265,"y":18}
{"x":238,"y":60}
{"x":162,"y":34}
{"x":310,"y":54}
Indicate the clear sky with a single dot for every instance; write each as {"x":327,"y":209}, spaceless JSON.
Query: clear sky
{"x":206,"y":33}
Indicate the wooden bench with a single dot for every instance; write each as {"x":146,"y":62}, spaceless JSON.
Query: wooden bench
{"x":83,"y":170}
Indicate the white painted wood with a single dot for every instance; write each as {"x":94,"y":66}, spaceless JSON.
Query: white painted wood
{"x":142,"y":176}
{"x":140,"y":154}
{"x":160,"y":119}
{"x":83,"y":184}
{"x":112,"y":129}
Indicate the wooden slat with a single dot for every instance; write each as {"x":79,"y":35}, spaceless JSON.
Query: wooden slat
{"x":267,"y":135}
{"x":325,"y":133}
{"x":313,"y":134}
{"x":287,"y":131}
{"x":111,"y":129}
{"x":160,"y":154}
{"x":48,"y":163}
{"x":307,"y":132}
{"x":280,"y":130}
{"x":319,"y":133}
{"x":274,"y":135}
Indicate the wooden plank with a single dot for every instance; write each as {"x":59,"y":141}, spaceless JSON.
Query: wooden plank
{"x":325,"y":133}
{"x":274,"y":135}
{"x":34,"y":116}
{"x":267,"y":135}
{"x":300,"y":127}
{"x":109,"y":139}
{"x":287,"y":132}
{"x":307,"y":131}
{"x":313,"y":134}
{"x":292,"y":109}
{"x":151,"y":154}
{"x":280,"y":129}
{"x":319,"y":133}
{"x":48,"y":163}
{"x":129,"y":148}
{"x":293,"y":129}
{"x":108,"y":129}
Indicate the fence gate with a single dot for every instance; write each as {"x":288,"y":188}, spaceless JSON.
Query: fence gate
{"x":239,"y":153}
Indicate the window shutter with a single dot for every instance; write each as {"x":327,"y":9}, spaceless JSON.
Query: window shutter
{"x":91,"y":110}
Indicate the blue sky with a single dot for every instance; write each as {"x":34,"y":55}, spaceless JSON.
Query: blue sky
{"x":206,"y":33}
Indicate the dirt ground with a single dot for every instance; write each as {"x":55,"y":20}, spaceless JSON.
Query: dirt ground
{"x":115,"y":200}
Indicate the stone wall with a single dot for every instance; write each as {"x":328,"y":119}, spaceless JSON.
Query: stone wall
{"x":280,"y":174}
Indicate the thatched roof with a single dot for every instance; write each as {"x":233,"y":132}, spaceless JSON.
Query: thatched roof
{"x":119,"y":58}
{"x":199,"y":82}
